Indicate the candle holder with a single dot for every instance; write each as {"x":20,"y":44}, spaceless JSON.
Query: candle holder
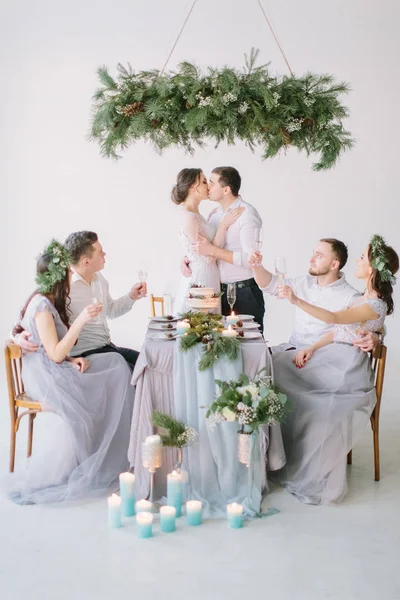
{"x":178,"y":465}
{"x":152,"y":460}
{"x":244,"y":447}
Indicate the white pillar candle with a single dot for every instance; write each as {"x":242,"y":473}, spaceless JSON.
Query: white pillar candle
{"x":174,"y":491}
{"x":126,"y":484}
{"x":167,"y":518}
{"x":182,"y":327}
{"x":114,"y":511}
{"x":143,"y":506}
{"x":144,"y":522}
{"x":235,"y":515}
{"x":152,"y":452}
{"x":126,"y":487}
{"x":232,"y":319}
{"x":230,"y":332}
{"x":152,"y":440}
{"x":193,"y":512}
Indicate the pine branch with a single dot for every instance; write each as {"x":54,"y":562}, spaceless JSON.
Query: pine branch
{"x":186,"y":108}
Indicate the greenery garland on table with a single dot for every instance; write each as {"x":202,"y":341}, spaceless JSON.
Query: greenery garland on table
{"x":187,"y":107}
{"x":207,"y":329}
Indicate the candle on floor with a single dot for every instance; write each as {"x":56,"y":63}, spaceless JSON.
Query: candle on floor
{"x":126,"y":485}
{"x":144,"y":525}
{"x":114,"y":511}
{"x":193,"y":512}
{"x":174,"y":491}
{"x":143,"y":506}
{"x":235,"y":515}
{"x":152,"y":452}
{"x":230,"y":332}
{"x":167,"y":519}
{"x":232,"y":319}
{"x":182,"y":327}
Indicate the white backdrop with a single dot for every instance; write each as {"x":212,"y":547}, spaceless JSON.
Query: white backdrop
{"x":53,"y":181}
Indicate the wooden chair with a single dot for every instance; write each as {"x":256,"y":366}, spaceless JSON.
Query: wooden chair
{"x":18,"y":399}
{"x":378,"y":363}
{"x":156,"y":300}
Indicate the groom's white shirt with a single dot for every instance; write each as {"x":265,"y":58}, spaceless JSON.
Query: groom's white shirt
{"x":239,"y":239}
{"x":95,"y":333}
{"x":335,"y":296}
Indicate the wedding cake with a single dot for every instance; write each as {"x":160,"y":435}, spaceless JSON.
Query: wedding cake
{"x":202,"y":298}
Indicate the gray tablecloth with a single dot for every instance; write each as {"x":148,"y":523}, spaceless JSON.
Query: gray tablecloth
{"x":154,"y":381}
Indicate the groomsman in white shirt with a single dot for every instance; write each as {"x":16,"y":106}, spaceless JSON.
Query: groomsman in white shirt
{"x":88,"y":259}
{"x":233,"y":258}
{"x":325,"y":285}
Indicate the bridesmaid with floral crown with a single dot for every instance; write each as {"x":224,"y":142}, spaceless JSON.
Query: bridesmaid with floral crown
{"x":86,"y":449}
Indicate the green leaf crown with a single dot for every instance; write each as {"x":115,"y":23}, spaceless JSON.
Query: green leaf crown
{"x":57,"y":269}
{"x":379,"y":259}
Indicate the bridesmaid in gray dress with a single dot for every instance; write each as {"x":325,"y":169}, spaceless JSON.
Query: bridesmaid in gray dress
{"x":331,"y":384}
{"x":93,"y":400}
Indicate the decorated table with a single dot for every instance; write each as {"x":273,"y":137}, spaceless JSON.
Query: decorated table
{"x":171,"y":380}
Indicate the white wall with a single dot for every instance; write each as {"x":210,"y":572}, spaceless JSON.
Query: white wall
{"x":52,"y":181}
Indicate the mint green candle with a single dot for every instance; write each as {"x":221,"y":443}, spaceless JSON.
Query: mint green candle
{"x":174,"y":491}
{"x":167,"y":519}
{"x":193,"y":512}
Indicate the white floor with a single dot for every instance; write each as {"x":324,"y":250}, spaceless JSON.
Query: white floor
{"x":345,"y":552}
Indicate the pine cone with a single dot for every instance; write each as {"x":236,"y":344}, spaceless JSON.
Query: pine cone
{"x":155,"y":123}
{"x":132,"y":109}
{"x":188,"y":105}
{"x":285,"y":136}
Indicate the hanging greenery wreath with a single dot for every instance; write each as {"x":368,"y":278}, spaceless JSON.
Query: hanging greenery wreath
{"x":187,"y":107}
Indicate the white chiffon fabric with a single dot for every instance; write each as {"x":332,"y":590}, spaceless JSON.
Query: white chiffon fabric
{"x":333,"y":397}
{"x":86,"y":444}
{"x":216,"y":477}
{"x":205,"y":270}
{"x":169,"y":381}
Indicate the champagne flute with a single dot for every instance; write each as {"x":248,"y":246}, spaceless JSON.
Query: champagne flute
{"x":142,"y":276}
{"x":280,"y":270}
{"x":97,"y":296}
{"x":231,"y":294}
{"x":257,"y":242}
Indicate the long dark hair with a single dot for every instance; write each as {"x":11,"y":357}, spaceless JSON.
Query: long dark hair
{"x":384,"y":289}
{"x":59,"y":295}
{"x":186,"y":178}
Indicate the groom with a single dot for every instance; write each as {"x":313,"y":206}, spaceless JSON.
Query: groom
{"x":233,"y":263}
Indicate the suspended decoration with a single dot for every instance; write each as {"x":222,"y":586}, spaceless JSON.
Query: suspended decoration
{"x":186,"y":108}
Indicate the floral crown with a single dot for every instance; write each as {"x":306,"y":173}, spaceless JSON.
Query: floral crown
{"x":379,"y":259}
{"x":57,"y":269}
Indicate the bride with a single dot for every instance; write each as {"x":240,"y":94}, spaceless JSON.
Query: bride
{"x":190,"y":189}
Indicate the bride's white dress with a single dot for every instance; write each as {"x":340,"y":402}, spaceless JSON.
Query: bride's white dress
{"x":205,"y":271}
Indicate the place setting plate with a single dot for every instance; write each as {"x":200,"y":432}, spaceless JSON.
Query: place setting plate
{"x":162,"y":336}
{"x":251,"y":335}
{"x":247,"y":326}
{"x":169,"y":319}
{"x":157,"y":326}
{"x":245,"y":317}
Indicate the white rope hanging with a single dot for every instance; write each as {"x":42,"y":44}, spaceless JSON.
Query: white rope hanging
{"x":267,"y":19}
